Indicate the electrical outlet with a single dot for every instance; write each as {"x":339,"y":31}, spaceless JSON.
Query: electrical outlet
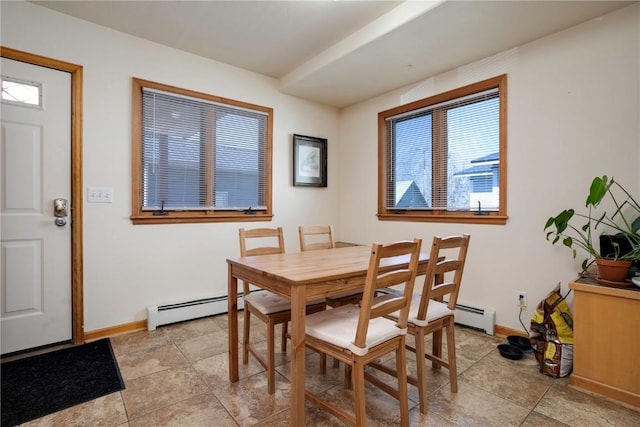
{"x":522,"y":299}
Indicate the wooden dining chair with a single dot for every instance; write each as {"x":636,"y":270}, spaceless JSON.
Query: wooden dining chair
{"x":267,"y":306}
{"x":315,"y":237}
{"x":431,"y":314}
{"x":357,"y":335}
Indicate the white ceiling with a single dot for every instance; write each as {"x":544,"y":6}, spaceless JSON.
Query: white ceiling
{"x":339,"y":52}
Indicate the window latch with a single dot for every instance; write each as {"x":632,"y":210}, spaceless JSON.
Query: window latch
{"x":480,"y":211}
{"x":161,"y":212}
{"x":249,"y":211}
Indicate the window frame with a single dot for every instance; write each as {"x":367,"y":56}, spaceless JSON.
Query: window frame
{"x":498,"y":217}
{"x":140,"y":216}
{"x":37,"y":85}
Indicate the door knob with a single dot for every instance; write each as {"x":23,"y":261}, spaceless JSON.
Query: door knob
{"x":60,"y":211}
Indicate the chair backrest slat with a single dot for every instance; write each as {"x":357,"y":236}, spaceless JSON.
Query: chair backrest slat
{"x":438,"y":291}
{"x":390,"y":279}
{"x":273,"y":238}
{"x":380,"y":310}
{"x":390,"y":276}
{"x":447,"y":258}
{"x":314,"y":237}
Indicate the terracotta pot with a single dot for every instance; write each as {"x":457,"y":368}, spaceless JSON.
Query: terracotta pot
{"x":612,"y":270}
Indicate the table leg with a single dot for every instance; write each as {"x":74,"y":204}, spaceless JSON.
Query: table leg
{"x":298,"y":312}
{"x":232,"y":293}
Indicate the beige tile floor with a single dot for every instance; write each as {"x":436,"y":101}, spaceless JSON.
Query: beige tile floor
{"x":177,"y":376}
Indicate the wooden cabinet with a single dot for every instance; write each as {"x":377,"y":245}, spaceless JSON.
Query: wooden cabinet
{"x":606,"y":352}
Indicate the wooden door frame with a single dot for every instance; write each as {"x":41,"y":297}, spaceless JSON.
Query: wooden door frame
{"x":77,"y":295}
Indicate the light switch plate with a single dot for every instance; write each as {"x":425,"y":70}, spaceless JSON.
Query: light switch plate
{"x":100,"y":195}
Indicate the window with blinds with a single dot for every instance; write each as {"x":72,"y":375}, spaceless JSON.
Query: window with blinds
{"x":443,"y":158}
{"x":199,"y":157}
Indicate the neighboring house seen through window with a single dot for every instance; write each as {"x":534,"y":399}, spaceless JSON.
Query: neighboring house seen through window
{"x":198,"y":157}
{"x":443,"y":158}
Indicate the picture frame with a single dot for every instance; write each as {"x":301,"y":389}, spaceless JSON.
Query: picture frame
{"x":309,"y":161}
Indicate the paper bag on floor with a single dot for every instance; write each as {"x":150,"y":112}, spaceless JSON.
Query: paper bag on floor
{"x":552,"y":335}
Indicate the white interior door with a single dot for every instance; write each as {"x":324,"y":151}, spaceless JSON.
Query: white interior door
{"x":36,"y":298}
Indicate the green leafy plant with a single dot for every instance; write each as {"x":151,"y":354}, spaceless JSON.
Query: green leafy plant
{"x":567,"y":227}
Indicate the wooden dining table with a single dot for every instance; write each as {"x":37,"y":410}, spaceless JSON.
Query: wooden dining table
{"x":301,"y":277}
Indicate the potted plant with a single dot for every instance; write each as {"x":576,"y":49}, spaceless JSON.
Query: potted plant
{"x":618,"y":229}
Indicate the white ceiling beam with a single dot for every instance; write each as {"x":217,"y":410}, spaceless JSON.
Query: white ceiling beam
{"x":392,"y":20}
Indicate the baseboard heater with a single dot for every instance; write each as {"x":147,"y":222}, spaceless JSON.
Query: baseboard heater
{"x":159,"y":315}
{"x":475,"y":317}
{"x":467,"y":315}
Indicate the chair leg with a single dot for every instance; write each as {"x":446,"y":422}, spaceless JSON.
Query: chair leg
{"x":451,"y":351}
{"x":271,"y":366}
{"x":421,"y":368}
{"x":359,"y":394}
{"x":323,"y":363}
{"x":403,"y":394}
{"x":336,"y":363}
{"x":437,"y":348}
{"x":348,"y":383}
{"x":285,"y":329}
{"x":245,"y":336}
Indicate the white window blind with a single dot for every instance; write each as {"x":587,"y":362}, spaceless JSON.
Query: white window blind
{"x":201,"y":155}
{"x":445,"y":156}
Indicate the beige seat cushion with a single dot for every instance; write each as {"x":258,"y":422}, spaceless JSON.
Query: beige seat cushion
{"x":338,"y":327}
{"x":268,"y":303}
{"x":436,"y":310}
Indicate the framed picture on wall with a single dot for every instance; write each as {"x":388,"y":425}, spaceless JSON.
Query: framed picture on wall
{"x":309,"y":161}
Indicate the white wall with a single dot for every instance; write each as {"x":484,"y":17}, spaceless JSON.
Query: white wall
{"x":573,"y":113}
{"x":127,"y":267}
